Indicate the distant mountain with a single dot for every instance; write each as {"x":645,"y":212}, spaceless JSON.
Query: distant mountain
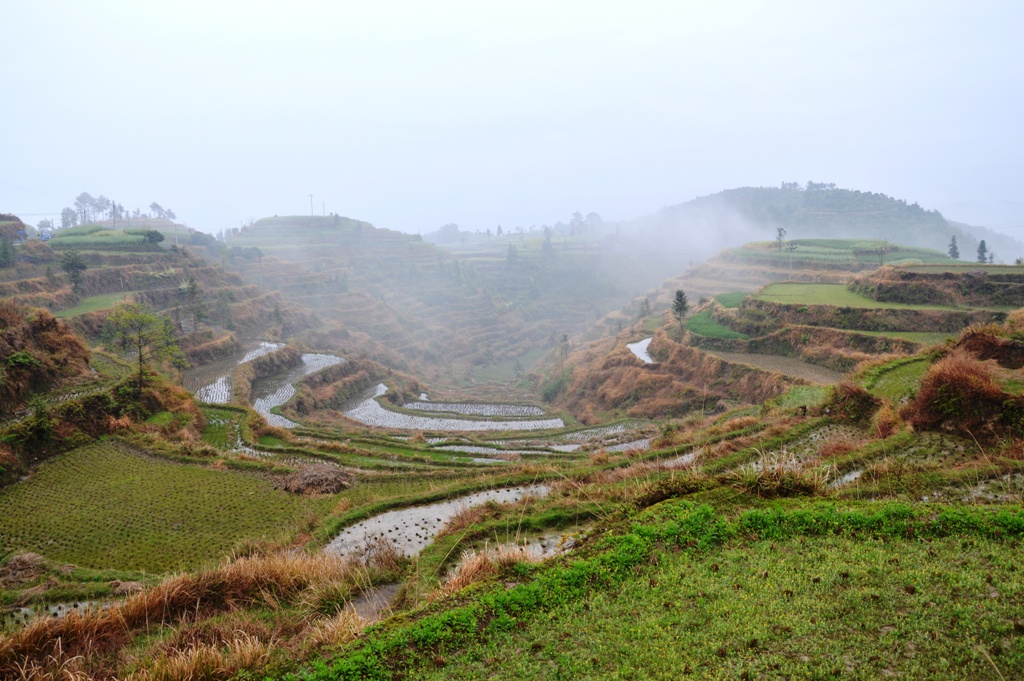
{"x":735,"y":216}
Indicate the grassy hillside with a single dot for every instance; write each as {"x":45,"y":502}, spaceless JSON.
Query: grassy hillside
{"x":39,"y":354}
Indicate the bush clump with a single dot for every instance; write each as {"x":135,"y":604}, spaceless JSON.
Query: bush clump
{"x":850,"y":402}
{"x":959,"y":394}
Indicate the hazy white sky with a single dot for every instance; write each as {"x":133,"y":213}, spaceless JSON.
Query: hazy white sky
{"x":413,"y":114}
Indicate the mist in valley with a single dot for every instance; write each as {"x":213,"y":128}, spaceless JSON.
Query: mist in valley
{"x":459,"y":190}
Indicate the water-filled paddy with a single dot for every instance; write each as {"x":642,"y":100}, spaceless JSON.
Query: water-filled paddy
{"x":273,"y":391}
{"x":410,"y":530}
{"x":476,"y":409}
{"x":371,"y":413}
{"x":640,"y":350}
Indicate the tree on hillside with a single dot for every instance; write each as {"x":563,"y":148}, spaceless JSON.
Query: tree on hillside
{"x":137,"y":330}
{"x":192,"y":300}
{"x":982,"y":252}
{"x":152,"y":237}
{"x":102,"y":206}
{"x":68,"y":218}
{"x":7,"y":256}
{"x":881,"y":249}
{"x":680,"y":306}
{"x":780,"y":234}
{"x":73,"y":265}
{"x":563,"y":352}
{"x":953,"y":250}
{"x":645,"y":307}
{"x":158,"y":212}
{"x":83,"y":204}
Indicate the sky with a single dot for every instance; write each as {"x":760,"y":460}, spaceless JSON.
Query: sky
{"x":411,"y":115}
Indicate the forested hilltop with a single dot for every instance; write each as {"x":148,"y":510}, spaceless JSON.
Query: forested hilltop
{"x":823,"y":210}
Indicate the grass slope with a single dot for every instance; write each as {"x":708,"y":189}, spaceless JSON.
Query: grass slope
{"x":829,"y":294}
{"x":794,"y":590}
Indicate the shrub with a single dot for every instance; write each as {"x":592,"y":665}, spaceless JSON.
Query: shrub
{"x":958,"y":393}
{"x":851,"y":403}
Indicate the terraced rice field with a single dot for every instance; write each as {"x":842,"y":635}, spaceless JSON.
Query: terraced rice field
{"x":410,"y":530}
{"x":371,"y":413}
{"x":899,"y":381}
{"x":273,"y":391}
{"x":790,"y":366}
{"x":103,"y":506}
{"x":476,"y":409}
{"x":828,"y":294}
{"x":703,"y":324}
{"x":212,"y":383}
{"x":92,"y":303}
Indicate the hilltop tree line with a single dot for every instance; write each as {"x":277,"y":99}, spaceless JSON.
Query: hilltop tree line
{"x":984,"y":254}
{"x":88,"y":208}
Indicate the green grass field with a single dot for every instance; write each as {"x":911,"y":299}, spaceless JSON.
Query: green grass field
{"x":836,"y":253}
{"x":925,"y":337}
{"x":829,"y":294}
{"x":898,"y":380}
{"x":703,"y":324}
{"x":959,"y":267}
{"x":790,"y":590}
{"x":654,"y":322}
{"x":731,"y":300}
{"x":102,"y":507}
{"x":92,"y":303}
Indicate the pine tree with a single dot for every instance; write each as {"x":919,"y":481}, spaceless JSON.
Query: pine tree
{"x":680,"y":306}
{"x":953,"y":251}
{"x":982,"y":252}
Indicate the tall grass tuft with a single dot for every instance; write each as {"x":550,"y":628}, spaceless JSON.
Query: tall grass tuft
{"x":477,"y":566}
{"x":207,"y":662}
{"x":779,"y":476}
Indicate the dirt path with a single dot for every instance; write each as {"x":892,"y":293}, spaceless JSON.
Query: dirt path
{"x":784,"y":365}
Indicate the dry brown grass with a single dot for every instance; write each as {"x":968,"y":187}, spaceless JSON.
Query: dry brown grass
{"x":886,"y":421}
{"x":471,"y":515}
{"x":38,"y":351}
{"x":477,"y":566}
{"x":207,"y":662}
{"x":342,"y":627}
{"x":100,"y":637}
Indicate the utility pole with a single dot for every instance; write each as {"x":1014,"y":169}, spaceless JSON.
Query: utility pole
{"x":311,"y":205}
